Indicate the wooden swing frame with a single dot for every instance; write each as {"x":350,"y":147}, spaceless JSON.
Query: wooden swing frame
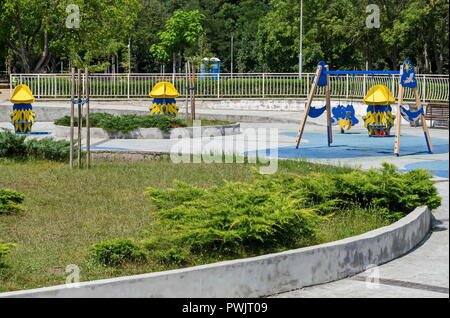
{"x":323,"y":70}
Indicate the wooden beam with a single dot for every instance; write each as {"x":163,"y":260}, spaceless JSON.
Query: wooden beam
{"x":80,"y":119}
{"x":424,"y":122}
{"x":308,"y":106}
{"x":88,"y":124}
{"x":328,"y":108}
{"x":72,"y":111}
{"x":398,"y":119}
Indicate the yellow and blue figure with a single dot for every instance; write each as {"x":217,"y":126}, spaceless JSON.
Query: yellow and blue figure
{"x":22,"y":116}
{"x":379,"y":119}
{"x":164,"y":103}
{"x":344,"y":116}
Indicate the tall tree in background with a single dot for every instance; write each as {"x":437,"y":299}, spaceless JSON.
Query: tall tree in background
{"x":36,"y":30}
{"x":182,"y":30}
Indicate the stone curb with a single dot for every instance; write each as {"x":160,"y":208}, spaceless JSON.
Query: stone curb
{"x":263,"y":275}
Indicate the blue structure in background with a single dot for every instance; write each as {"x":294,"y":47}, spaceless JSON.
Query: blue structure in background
{"x":210,"y":65}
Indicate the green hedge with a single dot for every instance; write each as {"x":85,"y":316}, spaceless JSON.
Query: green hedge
{"x":117,"y":252}
{"x":270,"y":213}
{"x":126,"y":123}
{"x":5,"y":249}
{"x":15,"y":146}
{"x":10,"y":201}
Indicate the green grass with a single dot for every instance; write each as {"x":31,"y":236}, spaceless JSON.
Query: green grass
{"x":66,"y":212}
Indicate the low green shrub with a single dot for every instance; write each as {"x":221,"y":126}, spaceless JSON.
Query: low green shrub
{"x":10,"y":201}
{"x":126,"y":123}
{"x":172,"y":255}
{"x":5,"y":249}
{"x":11,"y":145}
{"x":15,"y":146}
{"x":395,"y":194}
{"x":117,"y":252}
{"x":236,"y":216}
{"x":48,"y":148}
{"x":283,"y":210}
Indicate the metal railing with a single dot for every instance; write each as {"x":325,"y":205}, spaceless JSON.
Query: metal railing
{"x":432,"y":88}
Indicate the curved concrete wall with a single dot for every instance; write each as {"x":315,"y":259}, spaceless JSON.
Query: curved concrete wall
{"x":263,"y":275}
{"x":155,"y":133}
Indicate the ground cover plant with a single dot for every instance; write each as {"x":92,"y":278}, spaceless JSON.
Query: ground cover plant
{"x":16,"y":146}
{"x":119,"y":219}
{"x":10,"y":201}
{"x":127,"y":123}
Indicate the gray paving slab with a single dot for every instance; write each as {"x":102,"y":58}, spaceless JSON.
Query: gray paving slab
{"x":417,"y":274}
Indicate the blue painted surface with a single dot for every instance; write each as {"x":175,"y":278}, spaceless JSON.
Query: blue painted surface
{"x":438,"y":168}
{"x":355,"y":145}
{"x":107,"y":148}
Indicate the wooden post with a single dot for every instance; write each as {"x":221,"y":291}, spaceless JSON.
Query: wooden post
{"x":72,"y":111}
{"x":308,"y":105}
{"x":328,"y":108}
{"x":88,"y":124}
{"x":187,"y":92}
{"x":194,"y":86}
{"x":80,"y":119}
{"x":398,"y":119}
{"x":424,"y":122}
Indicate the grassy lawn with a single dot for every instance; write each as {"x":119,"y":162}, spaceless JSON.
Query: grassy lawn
{"x":68,"y":211}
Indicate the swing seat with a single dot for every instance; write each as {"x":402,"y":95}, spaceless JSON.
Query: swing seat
{"x":411,"y":116}
{"x":316,"y":112}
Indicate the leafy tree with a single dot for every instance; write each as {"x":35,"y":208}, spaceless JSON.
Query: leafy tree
{"x":182,"y":30}
{"x":36,"y":30}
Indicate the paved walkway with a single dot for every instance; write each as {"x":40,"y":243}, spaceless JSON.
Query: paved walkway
{"x":423,"y":272}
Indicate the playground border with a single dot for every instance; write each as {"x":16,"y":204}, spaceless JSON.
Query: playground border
{"x":156,"y":133}
{"x":263,"y":275}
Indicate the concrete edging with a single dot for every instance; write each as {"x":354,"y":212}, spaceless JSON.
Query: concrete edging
{"x":156,"y":133}
{"x":262,"y":275}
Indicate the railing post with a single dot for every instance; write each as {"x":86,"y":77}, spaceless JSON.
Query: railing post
{"x":128,"y":86}
{"x":393,"y":84}
{"x":10,"y":84}
{"x":264,"y":85}
{"x":364,"y":86}
{"x":218,"y":85}
{"x":347,"y":86}
{"x":39,"y":86}
{"x":424,"y":91}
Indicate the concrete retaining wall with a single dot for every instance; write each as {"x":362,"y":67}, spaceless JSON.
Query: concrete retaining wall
{"x":156,"y":133}
{"x":264,"y":275}
{"x":54,"y":110}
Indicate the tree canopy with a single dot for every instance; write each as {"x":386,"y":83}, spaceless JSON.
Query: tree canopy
{"x":34,"y":36}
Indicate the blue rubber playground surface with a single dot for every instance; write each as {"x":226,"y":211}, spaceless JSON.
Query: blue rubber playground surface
{"x":360,"y":145}
{"x":354,"y":145}
{"x":437,"y":168}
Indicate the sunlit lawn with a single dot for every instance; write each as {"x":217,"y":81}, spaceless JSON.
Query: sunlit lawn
{"x":68,"y":211}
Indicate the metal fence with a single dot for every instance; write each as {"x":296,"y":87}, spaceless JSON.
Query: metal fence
{"x":432,"y":88}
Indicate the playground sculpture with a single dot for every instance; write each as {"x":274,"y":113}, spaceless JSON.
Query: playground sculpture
{"x":379,"y":119}
{"x":22,"y":116}
{"x":164,"y":103}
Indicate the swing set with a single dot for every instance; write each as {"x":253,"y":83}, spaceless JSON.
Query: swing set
{"x":379,"y":119}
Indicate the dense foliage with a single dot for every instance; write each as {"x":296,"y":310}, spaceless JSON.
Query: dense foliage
{"x":10,"y":201}
{"x":5,"y":249}
{"x":279,"y":210}
{"x":15,"y":146}
{"x":126,"y":123}
{"x":265,"y":32}
{"x":116,"y":252}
